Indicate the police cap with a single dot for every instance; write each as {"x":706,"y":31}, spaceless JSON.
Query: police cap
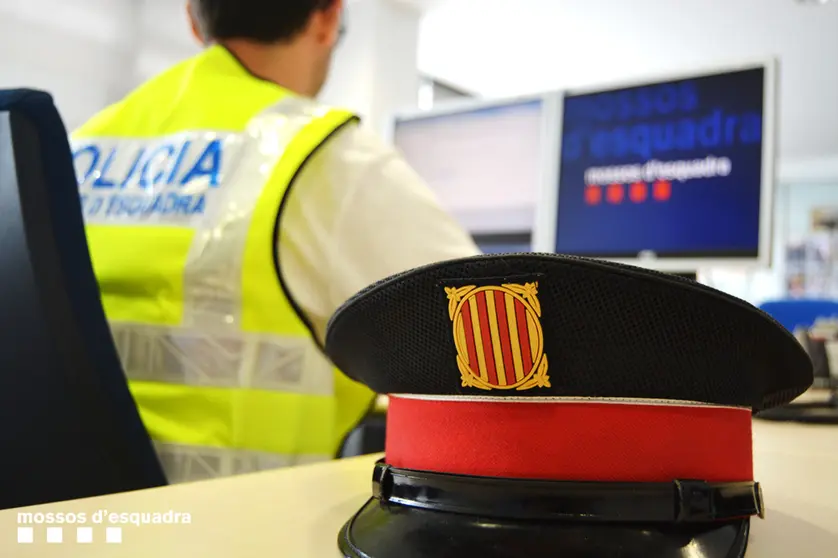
{"x":544,"y":405}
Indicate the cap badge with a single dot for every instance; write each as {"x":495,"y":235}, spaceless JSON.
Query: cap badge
{"x":498,"y":335}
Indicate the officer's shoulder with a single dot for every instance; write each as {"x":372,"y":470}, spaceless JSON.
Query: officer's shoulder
{"x":364,"y":145}
{"x":143,"y":100}
{"x":96,"y":123}
{"x":355,"y":143}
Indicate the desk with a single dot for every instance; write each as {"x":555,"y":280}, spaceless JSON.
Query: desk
{"x":297,"y":512}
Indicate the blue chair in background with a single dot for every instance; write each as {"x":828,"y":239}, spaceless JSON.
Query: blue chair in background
{"x":71,"y":428}
{"x":793,"y":313}
{"x":803,"y":313}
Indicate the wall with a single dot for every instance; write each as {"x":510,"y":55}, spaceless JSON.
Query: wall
{"x":432,"y":93}
{"x":443,"y":92}
{"x":374,"y":71}
{"x":88,"y":53}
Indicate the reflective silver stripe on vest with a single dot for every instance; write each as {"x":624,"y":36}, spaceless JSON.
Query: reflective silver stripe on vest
{"x":209,"y":182}
{"x":194,"y":463}
{"x":287,"y":364}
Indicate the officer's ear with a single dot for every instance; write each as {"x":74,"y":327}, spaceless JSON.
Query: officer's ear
{"x":194,"y":21}
{"x":329,"y":21}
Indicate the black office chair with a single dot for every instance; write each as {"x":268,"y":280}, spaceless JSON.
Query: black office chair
{"x":367,"y":437}
{"x":69,"y":427}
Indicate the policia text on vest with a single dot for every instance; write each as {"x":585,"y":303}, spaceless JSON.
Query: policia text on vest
{"x":173,"y":178}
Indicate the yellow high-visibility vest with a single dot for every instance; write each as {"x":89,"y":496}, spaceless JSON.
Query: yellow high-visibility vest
{"x":182,"y":185}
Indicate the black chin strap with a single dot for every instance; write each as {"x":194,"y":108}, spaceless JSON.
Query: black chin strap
{"x":680,"y":501}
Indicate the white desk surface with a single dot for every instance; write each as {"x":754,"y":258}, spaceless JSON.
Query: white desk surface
{"x":297,"y":512}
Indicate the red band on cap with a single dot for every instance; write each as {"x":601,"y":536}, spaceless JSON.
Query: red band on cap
{"x":596,"y":441}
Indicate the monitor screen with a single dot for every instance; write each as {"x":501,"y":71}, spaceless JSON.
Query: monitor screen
{"x":667,"y":170}
{"x":484,"y":162}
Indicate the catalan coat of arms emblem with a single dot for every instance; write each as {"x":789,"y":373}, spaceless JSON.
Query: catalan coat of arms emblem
{"x":498,"y":335}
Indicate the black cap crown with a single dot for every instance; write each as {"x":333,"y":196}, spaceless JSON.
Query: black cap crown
{"x":601,"y":330}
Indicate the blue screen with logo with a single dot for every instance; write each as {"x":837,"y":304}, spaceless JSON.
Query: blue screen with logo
{"x":673,"y":168}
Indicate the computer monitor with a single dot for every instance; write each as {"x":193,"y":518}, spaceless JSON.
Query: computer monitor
{"x":673,"y":174}
{"x":485,"y":160}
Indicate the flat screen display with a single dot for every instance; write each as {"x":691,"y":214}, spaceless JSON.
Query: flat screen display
{"x":484,"y":163}
{"x":672,"y":169}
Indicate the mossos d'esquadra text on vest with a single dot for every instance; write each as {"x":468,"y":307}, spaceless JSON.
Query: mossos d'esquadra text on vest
{"x":168,"y":179}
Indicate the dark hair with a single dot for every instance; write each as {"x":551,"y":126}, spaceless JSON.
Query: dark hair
{"x":265,"y":21}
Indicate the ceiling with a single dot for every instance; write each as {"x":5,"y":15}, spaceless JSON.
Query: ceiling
{"x":509,"y":47}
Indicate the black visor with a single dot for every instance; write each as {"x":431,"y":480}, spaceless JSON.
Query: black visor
{"x":418,"y":514}
{"x":382,"y":530}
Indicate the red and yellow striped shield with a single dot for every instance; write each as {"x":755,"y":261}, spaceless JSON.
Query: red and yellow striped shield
{"x":497,"y":332}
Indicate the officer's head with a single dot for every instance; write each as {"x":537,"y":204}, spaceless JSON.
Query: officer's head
{"x":309,"y":29}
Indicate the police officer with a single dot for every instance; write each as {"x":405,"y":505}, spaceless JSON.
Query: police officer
{"x":228,"y":216}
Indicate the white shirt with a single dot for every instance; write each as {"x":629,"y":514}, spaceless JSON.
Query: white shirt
{"x":356,"y":214}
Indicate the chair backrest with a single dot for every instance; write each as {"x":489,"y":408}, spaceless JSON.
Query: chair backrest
{"x":70,"y":428}
{"x":793,"y":313}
